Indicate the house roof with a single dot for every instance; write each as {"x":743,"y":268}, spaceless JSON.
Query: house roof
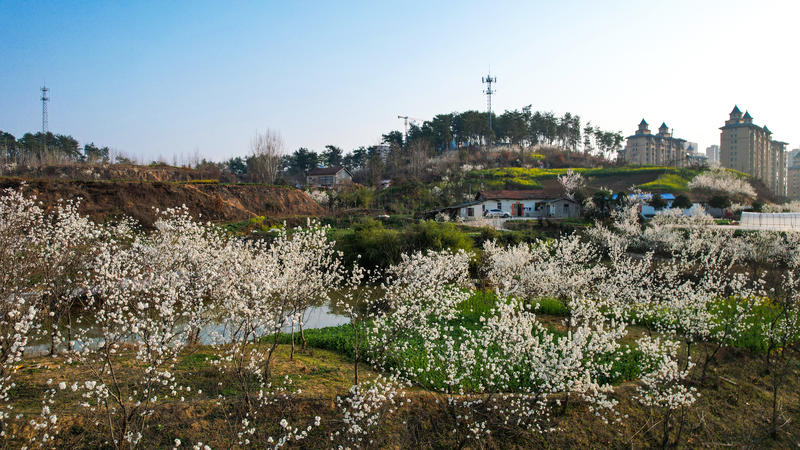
{"x":736,"y":110}
{"x":663,"y":126}
{"x":515,"y":195}
{"x":463,"y":205}
{"x":747,"y":115}
{"x":326,"y":170}
{"x":642,"y":122}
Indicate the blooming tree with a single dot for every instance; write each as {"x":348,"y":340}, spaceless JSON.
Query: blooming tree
{"x":571,"y":182}
{"x":663,"y":388}
{"x":722,"y":181}
{"x":146,"y":292}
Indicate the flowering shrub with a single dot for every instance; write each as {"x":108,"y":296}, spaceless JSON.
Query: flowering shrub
{"x":663,"y":387}
{"x":571,"y":182}
{"x":724,"y":181}
{"x":320,"y":197}
{"x":363,"y":408}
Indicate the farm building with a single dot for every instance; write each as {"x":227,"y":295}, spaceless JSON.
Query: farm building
{"x":328,"y":176}
{"x":521,"y":203}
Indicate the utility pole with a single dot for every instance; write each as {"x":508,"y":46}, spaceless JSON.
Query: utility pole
{"x":488,"y":80}
{"x":44,"y":99}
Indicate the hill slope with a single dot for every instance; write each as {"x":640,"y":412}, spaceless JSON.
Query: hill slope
{"x":215,"y":202}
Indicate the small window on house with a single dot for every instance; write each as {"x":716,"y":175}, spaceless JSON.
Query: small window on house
{"x":499,"y":205}
{"x":470,"y":212}
{"x":566,"y":206}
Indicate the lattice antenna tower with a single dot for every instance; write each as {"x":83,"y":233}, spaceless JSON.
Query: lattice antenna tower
{"x":44,"y":99}
{"x":488,"y":80}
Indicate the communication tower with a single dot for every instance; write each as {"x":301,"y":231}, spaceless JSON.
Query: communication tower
{"x":45,"y":99}
{"x":488,"y":80}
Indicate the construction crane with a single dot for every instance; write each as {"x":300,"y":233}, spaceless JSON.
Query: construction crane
{"x":405,"y":122}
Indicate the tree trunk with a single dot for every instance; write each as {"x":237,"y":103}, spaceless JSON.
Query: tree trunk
{"x":269,"y":356}
{"x":707,"y":363}
{"x":69,"y":329}
{"x":355,"y":355}
{"x":53,"y":334}
{"x":665,"y":438}
{"x":291,"y":355}
{"x":688,"y":353}
{"x":302,"y":335}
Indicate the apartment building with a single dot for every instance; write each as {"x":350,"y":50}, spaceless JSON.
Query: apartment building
{"x":661,"y":149}
{"x":749,"y":148}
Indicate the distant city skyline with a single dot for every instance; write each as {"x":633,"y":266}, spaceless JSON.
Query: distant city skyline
{"x":155,"y":79}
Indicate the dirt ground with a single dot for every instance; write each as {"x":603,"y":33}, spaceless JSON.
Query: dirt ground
{"x":102,"y":200}
{"x":733,"y":409}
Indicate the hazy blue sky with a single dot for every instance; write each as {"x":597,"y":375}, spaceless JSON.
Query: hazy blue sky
{"x":161,"y":78}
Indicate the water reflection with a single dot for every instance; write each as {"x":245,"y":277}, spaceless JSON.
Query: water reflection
{"x":315,"y":317}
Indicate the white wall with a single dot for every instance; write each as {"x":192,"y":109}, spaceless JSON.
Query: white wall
{"x":530,"y":208}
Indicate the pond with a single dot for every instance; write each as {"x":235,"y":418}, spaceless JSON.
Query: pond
{"x":315,"y":317}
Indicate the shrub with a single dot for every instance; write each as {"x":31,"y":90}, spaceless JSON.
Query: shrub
{"x":682,"y":201}
{"x":719,"y":201}
{"x":406,"y":195}
{"x":430,"y":235}
{"x":358,"y":198}
{"x":377,"y":245}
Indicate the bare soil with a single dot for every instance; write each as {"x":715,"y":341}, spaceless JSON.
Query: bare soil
{"x":103,"y":200}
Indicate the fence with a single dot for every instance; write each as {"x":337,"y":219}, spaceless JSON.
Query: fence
{"x":770,"y":220}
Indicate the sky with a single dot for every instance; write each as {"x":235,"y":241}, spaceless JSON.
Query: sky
{"x":154,"y":79}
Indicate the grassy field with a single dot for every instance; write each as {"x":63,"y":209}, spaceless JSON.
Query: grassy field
{"x":531,"y":178}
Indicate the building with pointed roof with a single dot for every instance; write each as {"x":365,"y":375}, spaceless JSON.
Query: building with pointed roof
{"x":660,"y":149}
{"x":749,"y":148}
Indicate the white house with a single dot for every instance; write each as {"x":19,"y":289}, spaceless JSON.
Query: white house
{"x":522,"y":203}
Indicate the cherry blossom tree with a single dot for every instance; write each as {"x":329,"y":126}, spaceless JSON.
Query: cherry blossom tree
{"x":722,"y":181}
{"x":571,"y":182}
{"x":146,"y":292}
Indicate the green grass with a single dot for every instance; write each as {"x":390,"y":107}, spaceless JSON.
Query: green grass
{"x":197,"y":360}
{"x":752,"y":338}
{"x":258,"y":224}
{"x":551,"y":306}
{"x":529,"y":178}
{"x":337,"y":339}
{"x":668,"y":182}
